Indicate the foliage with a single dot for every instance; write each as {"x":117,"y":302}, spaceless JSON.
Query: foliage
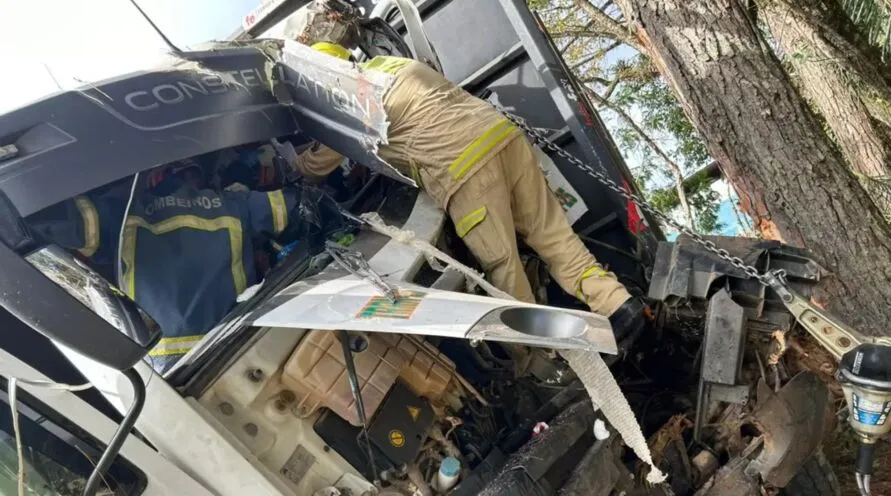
{"x":873,"y":20}
{"x":662,"y":115}
{"x":629,"y":87}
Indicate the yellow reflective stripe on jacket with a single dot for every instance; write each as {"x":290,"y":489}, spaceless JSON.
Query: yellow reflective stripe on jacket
{"x":91,"y":225}
{"x":595,"y":271}
{"x":470,"y":221}
{"x":231,"y":224}
{"x":332,"y":49}
{"x":279,"y":211}
{"x":175,"y":346}
{"x":479,"y":148}
{"x":389,"y":65}
{"x":416,"y":175}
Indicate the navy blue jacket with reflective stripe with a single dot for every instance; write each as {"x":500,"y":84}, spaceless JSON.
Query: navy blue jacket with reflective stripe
{"x":186,"y":255}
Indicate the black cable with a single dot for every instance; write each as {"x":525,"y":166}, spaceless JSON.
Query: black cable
{"x":117,"y":440}
{"x":169,"y":43}
{"x":610,"y":247}
{"x":865,"y":456}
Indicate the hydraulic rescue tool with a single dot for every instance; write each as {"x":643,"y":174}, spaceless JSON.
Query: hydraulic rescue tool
{"x":865,"y":376}
{"x":864,"y":372}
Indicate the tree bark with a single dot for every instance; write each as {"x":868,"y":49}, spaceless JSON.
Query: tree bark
{"x":743,"y":104}
{"x":844,"y":44}
{"x":608,"y":26}
{"x":823,"y":81}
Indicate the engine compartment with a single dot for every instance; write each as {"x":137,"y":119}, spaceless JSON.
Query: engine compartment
{"x":523,"y":424}
{"x":286,"y":399}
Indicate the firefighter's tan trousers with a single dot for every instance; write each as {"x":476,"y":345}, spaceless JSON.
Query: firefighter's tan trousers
{"x":510,"y":194}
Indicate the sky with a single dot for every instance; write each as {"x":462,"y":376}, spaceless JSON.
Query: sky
{"x":88,"y":40}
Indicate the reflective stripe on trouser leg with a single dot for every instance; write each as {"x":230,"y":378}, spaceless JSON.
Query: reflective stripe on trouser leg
{"x":481,"y":212}
{"x":169,"y":350}
{"x":470,"y":221}
{"x":541,"y":221}
{"x":90,"y":217}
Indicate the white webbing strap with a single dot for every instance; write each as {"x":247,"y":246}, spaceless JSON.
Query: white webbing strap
{"x":590,"y":368}
{"x":431,"y":252}
{"x":605,"y":393}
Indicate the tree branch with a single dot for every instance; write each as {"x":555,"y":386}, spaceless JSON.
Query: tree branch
{"x":595,"y":79}
{"x":611,"y":87}
{"x":675,"y":169}
{"x":599,"y":53}
{"x":575,"y":38}
{"x":608,"y":26}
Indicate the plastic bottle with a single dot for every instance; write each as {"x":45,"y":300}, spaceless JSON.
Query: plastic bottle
{"x":449,"y":471}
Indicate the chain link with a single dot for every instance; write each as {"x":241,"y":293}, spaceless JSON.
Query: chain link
{"x":539,"y":138}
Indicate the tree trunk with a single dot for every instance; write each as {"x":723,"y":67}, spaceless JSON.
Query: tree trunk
{"x":844,"y":44}
{"x":823,"y":81}
{"x":771,"y":224}
{"x":742,"y":102}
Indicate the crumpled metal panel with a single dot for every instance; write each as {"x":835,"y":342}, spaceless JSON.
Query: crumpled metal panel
{"x":684,"y":269}
{"x":685,"y":274}
{"x":337,"y":103}
{"x":725,"y":338}
{"x":792,"y":423}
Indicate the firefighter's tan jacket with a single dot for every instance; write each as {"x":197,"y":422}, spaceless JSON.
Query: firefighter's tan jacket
{"x":434,"y":134}
{"x":443,"y":137}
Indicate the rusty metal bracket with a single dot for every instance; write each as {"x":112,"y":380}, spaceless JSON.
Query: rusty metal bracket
{"x":831,"y":333}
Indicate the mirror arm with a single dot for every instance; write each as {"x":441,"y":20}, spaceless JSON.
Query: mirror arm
{"x":120,"y":435}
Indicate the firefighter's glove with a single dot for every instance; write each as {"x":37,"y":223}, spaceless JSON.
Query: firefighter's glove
{"x":630,"y":319}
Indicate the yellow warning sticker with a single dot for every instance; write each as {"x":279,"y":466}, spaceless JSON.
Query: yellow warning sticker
{"x":414,"y":412}
{"x":381,"y":307}
{"x":397,"y":438}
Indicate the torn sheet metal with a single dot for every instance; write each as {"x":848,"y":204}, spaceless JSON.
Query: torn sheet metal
{"x":337,"y":103}
{"x":353,"y":304}
{"x":793,"y":423}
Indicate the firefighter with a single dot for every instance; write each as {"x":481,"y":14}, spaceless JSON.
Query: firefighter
{"x":485,"y":174}
{"x":187,"y":252}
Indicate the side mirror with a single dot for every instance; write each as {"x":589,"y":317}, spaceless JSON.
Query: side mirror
{"x":66,"y":301}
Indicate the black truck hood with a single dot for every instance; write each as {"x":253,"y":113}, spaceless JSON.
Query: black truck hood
{"x":77,"y":140}
{"x":199,"y":102}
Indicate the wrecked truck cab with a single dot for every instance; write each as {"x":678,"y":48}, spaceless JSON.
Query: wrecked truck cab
{"x":265,"y":407}
{"x":416,"y":385}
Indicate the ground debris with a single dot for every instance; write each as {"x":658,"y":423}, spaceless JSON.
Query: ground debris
{"x":780,"y":348}
{"x":671,"y":432}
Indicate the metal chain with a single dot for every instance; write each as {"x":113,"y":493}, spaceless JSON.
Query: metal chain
{"x":539,"y":138}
